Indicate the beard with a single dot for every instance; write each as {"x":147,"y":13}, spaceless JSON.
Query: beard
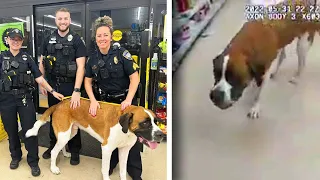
{"x":63,"y":30}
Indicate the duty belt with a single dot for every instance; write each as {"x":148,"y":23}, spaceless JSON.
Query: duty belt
{"x":114,"y":96}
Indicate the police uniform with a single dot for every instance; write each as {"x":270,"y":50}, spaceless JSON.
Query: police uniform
{"x":110,"y":73}
{"x":17,"y":83}
{"x":59,"y":61}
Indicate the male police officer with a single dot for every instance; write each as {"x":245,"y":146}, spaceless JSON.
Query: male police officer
{"x":63,"y":62}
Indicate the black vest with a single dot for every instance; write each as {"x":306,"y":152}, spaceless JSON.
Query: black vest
{"x":16,"y":73}
{"x":108,"y":71}
{"x":61,"y":59}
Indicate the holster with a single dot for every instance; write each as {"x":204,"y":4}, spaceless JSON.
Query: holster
{"x":7,"y":85}
{"x":47,"y":64}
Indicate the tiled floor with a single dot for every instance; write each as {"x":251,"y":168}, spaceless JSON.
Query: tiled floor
{"x":224,"y":145}
{"x":154,"y":166}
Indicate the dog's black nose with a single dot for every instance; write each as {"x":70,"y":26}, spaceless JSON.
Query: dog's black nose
{"x":159,"y":134}
{"x":217,"y":96}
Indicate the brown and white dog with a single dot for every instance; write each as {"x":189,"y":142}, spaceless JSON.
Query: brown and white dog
{"x":112,"y":127}
{"x":256,"y":52}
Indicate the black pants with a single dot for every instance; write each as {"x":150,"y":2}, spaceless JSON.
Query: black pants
{"x":10,"y":106}
{"x":65,"y":89}
{"x":134,"y":164}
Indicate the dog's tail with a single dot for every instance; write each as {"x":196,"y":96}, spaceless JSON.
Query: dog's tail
{"x":47,"y":113}
{"x":42,"y":120}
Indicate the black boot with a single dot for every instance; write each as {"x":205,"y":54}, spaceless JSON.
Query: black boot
{"x":35,"y":171}
{"x":14,"y":164}
{"x":47,"y":153}
{"x":75,"y":159}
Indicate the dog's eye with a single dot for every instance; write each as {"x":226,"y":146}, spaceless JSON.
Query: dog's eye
{"x":146,"y":123}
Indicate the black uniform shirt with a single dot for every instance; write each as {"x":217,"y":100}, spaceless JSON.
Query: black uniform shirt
{"x":31,"y":63}
{"x":119,"y":65}
{"x":78,"y":45}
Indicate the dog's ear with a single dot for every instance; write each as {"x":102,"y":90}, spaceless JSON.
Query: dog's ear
{"x":125,"y":121}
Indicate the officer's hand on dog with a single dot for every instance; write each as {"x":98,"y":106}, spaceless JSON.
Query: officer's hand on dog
{"x":58,"y":95}
{"x":75,"y":100}
{"x":125,"y":104}
{"x":94,"y":105}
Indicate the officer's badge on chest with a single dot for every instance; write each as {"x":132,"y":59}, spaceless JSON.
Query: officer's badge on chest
{"x":115,"y":60}
{"x":70,"y":37}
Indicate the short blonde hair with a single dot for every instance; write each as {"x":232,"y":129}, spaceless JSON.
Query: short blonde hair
{"x":63,"y":10}
{"x":101,"y":21}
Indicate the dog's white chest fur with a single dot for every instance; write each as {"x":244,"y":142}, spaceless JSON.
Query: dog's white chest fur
{"x":120,"y":139}
{"x":116,"y":138}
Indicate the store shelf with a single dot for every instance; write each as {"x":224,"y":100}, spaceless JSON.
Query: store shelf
{"x":195,"y":31}
{"x":184,"y":17}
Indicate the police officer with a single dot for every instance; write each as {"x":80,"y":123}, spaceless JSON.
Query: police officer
{"x":63,"y":63}
{"x":115,"y":74}
{"x":18,"y":71}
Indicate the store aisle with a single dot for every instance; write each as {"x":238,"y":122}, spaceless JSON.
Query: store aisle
{"x":225,"y":145}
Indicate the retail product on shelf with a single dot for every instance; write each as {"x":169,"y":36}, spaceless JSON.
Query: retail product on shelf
{"x":3,"y":133}
{"x":190,"y":18}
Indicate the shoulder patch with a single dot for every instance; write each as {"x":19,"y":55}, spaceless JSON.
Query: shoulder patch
{"x":135,"y":66}
{"x":127,"y":55}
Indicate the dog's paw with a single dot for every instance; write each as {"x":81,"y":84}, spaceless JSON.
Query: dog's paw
{"x":30,"y":133}
{"x":55,"y":170}
{"x":66,"y":154}
{"x":254,"y":112}
{"x":293,"y":80}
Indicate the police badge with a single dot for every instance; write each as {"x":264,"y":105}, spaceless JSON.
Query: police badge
{"x":127,"y":55}
{"x":70,"y":37}
{"x":115,"y":60}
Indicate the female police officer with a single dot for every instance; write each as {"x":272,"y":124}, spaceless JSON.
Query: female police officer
{"x":117,"y":78}
{"x":17,"y":74}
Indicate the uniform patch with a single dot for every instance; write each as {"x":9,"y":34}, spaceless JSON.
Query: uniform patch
{"x":94,"y":67}
{"x":53,"y":40}
{"x":6,"y":57}
{"x":135,"y":66}
{"x":115,"y":60}
{"x":127,"y":55}
{"x":70,"y":37}
{"x":24,"y":57}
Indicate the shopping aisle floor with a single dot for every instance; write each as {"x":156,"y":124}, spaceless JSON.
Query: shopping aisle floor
{"x":153,"y":161}
{"x":225,"y":145}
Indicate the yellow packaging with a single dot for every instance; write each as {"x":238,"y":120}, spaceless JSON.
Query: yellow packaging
{"x":3,"y":133}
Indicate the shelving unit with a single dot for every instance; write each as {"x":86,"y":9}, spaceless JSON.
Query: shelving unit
{"x":186,"y":19}
{"x":158,"y":78}
{"x":160,"y":90}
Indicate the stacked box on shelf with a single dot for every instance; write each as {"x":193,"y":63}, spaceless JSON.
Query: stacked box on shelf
{"x":161,"y":102}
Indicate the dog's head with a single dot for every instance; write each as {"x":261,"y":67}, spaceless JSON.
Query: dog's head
{"x":232,"y":75}
{"x":143,"y":123}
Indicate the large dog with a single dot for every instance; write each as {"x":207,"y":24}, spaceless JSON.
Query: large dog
{"x":252,"y":54}
{"x":112,"y":127}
